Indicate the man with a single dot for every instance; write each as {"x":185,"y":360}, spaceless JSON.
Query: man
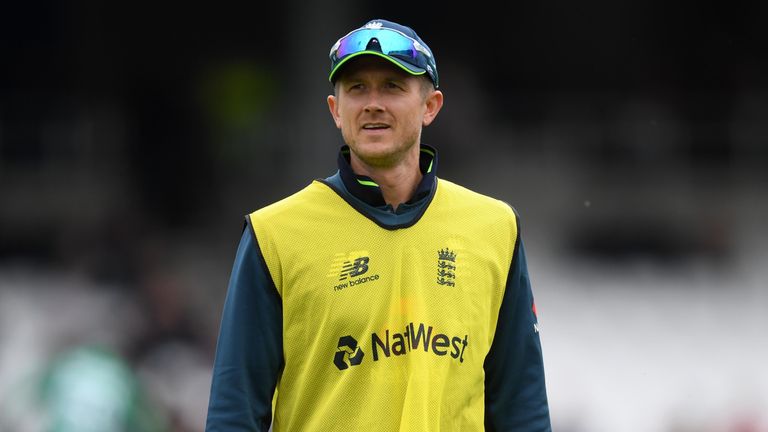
{"x":381,"y":298}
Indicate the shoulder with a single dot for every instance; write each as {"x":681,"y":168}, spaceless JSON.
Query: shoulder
{"x":313,"y":195}
{"x":464,"y":196}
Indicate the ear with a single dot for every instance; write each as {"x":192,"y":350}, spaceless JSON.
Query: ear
{"x":333,"y":106}
{"x":433,"y":104}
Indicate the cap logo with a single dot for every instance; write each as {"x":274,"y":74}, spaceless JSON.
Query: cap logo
{"x":373,"y":25}
{"x":420,"y":48}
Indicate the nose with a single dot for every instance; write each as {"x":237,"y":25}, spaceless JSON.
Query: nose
{"x":374,"y":103}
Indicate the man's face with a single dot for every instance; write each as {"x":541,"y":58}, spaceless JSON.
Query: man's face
{"x":381,"y":109}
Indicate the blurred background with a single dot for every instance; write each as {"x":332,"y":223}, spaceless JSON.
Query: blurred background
{"x":632,"y":138}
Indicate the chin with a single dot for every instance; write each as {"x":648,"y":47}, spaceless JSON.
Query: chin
{"x":375,"y":149}
{"x":381,"y":159}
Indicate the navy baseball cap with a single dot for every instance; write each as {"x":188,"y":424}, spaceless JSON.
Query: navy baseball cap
{"x":394,"y":42}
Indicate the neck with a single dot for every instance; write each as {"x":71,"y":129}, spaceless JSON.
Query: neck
{"x":398,"y":182}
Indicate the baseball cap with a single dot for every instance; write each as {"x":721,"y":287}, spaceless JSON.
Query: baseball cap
{"x":389,"y":40}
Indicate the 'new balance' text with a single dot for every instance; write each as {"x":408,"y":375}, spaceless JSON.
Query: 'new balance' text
{"x":353,"y":282}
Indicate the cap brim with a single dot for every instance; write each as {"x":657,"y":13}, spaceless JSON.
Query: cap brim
{"x":411,"y":69}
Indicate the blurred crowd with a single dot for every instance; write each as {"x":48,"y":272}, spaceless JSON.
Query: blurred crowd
{"x":79,"y":356}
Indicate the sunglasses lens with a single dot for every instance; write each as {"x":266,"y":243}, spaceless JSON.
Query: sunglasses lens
{"x":391,"y":43}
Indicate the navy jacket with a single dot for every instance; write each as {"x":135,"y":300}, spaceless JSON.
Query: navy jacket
{"x":251,"y":327}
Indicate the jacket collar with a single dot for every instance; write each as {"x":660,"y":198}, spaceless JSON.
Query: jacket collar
{"x":366,"y":190}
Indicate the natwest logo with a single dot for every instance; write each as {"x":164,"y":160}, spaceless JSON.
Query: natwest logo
{"x":349,"y":354}
{"x":395,"y":343}
{"x":414,"y":337}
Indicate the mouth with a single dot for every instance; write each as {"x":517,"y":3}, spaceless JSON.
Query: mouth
{"x":375,"y":126}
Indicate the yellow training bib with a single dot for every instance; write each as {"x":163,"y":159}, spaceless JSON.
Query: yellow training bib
{"x":385,"y":329}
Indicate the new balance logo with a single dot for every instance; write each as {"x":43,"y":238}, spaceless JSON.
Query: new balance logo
{"x":348,"y":354}
{"x":355,"y":268}
{"x":446,"y":267}
{"x":349,"y":268}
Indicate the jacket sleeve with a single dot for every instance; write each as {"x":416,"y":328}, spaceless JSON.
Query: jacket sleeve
{"x":249,"y":350}
{"x":515,"y":392}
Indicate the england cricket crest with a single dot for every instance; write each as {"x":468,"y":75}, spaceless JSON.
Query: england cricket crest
{"x":446,"y":267}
